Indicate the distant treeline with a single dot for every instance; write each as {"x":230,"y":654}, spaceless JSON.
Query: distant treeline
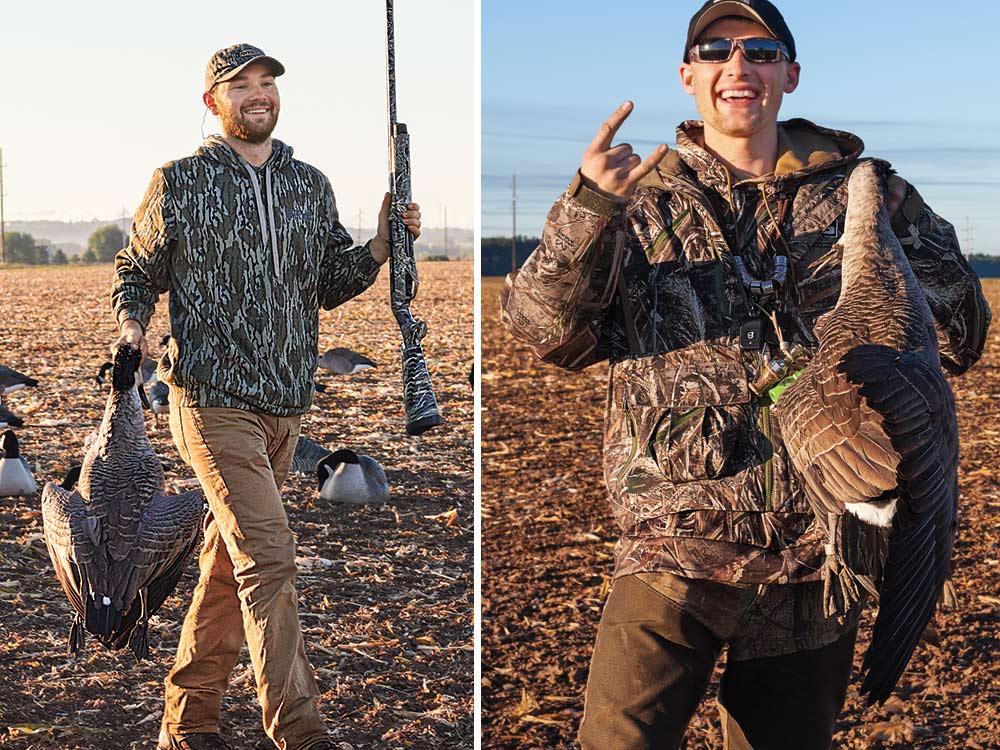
{"x":497,"y":254}
{"x":985,"y":266}
{"x":497,"y":260}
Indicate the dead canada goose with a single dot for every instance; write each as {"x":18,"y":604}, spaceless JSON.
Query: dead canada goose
{"x":341,"y":361}
{"x":870,"y":428}
{"x":348,"y":477}
{"x":117,"y":542}
{"x":15,"y":474}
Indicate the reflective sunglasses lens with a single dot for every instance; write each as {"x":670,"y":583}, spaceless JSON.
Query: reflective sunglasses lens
{"x":762,"y":50}
{"x":714,"y":51}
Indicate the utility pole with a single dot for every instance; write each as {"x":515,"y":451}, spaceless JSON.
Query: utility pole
{"x":446,"y":231}
{"x":968,"y":244}
{"x":513,"y":233}
{"x":3,"y":228}
{"x":361,"y":215}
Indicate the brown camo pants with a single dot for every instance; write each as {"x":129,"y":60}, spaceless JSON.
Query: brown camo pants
{"x":246,"y":588}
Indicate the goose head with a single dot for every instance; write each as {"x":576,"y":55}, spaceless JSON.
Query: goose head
{"x":348,"y":477}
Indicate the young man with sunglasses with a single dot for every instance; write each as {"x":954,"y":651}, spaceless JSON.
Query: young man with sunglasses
{"x":683,"y":269}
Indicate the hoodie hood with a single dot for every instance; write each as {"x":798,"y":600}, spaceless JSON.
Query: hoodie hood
{"x":803,"y":149}
{"x":216,"y":149}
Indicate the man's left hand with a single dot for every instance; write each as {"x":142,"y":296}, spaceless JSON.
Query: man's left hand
{"x":411,"y":220}
{"x":897,"y":193}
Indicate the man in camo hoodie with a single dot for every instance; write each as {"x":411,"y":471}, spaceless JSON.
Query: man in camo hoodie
{"x":666,"y":267}
{"x":248,"y":242}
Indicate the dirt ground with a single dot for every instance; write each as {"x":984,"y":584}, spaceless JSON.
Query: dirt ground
{"x":547,"y":557}
{"x":385,"y":592}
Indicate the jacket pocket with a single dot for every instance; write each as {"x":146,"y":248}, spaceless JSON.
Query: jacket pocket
{"x":705,"y":423}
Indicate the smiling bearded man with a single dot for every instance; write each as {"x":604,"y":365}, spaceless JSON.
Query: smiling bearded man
{"x":688,"y":270}
{"x":248,"y":242}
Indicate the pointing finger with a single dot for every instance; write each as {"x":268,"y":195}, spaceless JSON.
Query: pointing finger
{"x":602,"y":141}
{"x":649,"y":164}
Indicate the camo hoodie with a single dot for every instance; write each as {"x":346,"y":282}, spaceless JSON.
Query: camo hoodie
{"x":248,"y":256}
{"x":698,"y":478}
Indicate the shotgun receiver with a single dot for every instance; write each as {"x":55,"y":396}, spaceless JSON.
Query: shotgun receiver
{"x":418,"y":394}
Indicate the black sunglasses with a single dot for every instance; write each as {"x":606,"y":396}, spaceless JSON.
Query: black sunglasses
{"x":755,"y":50}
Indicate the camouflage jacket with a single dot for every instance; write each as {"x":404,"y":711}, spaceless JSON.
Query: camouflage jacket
{"x":698,"y":478}
{"x":248,"y":257}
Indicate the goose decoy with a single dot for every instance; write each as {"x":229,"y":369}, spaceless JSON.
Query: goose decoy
{"x":12,"y":380}
{"x":159,"y":398}
{"x":341,"y":361}
{"x":147,"y":371}
{"x":9,"y":419}
{"x":871,"y":432}
{"x":117,"y":542}
{"x":307,"y":455}
{"x":15,"y":474}
{"x":348,"y":477}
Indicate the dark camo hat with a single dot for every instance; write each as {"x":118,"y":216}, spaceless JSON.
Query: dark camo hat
{"x":228,"y":62}
{"x":760,"y":11}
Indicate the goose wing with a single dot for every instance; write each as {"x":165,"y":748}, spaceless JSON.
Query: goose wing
{"x":911,"y":394}
{"x":71,"y":548}
{"x":167,"y":534}
{"x":837,"y":444}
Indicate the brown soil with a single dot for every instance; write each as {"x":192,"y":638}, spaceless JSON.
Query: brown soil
{"x":547,"y":543}
{"x":385,"y":593}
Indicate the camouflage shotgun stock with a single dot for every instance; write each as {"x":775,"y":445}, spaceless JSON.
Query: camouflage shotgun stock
{"x":418,"y":394}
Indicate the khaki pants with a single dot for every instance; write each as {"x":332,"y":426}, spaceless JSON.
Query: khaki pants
{"x":653,"y":661}
{"x":246,"y":586}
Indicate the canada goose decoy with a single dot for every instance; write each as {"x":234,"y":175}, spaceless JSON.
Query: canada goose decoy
{"x":15,"y":474}
{"x":159,"y":398}
{"x":12,"y":380}
{"x":117,"y":542}
{"x":871,"y":430}
{"x":307,"y":455}
{"x":9,"y":419}
{"x":147,"y":371}
{"x":341,"y":361}
{"x":348,"y":477}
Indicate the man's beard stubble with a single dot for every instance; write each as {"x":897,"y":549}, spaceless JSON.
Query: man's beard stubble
{"x":237,"y":126}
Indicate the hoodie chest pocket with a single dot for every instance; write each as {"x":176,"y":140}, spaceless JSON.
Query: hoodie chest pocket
{"x":701,"y":422}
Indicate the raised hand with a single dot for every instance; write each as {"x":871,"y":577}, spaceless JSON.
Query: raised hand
{"x":615,"y":169}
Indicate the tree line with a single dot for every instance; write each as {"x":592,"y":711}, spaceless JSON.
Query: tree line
{"x":102,"y":246}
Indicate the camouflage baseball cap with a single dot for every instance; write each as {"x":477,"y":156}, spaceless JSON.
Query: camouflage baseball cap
{"x":759,"y":11}
{"x":228,"y":62}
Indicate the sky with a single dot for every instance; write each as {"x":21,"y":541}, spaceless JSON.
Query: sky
{"x":917,"y":82}
{"x":96,"y":96}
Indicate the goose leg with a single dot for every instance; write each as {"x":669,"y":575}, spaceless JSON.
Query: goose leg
{"x":139,"y":640}
{"x":75,"y":636}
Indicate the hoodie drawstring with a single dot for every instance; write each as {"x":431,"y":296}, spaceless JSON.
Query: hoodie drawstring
{"x":266,"y":215}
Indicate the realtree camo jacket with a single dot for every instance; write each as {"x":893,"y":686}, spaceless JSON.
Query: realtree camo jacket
{"x":248,"y":257}
{"x":694,"y":463}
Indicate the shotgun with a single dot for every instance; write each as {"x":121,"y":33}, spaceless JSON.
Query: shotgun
{"x":418,"y":394}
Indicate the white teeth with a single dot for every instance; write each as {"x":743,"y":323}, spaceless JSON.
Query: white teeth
{"x":740,"y":94}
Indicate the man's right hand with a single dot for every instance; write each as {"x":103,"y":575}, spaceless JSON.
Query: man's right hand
{"x":131,"y":334}
{"x":616,"y":171}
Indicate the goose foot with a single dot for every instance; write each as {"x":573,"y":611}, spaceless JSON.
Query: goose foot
{"x":75,"y":636}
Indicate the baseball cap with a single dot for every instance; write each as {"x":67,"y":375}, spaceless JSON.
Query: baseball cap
{"x":229,"y":61}
{"x":759,"y":11}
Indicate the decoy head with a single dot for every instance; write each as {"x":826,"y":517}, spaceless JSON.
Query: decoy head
{"x":102,"y":373}
{"x":326,"y":467}
{"x":8,"y":444}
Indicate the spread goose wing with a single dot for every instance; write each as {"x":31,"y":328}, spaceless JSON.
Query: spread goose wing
{"x":71,"y":548}
{"x":167,"y":535}
{"x":837,"y":444}
{"x":918,"y":409}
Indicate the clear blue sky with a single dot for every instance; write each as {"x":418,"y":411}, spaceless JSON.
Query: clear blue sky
{"x":96,"y":95}
{"x":917,"y":82}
